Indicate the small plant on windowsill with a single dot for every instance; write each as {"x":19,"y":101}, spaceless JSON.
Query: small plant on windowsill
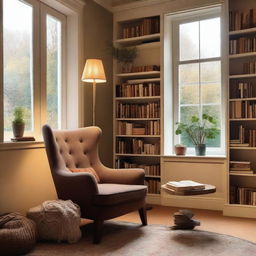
{"x":198,"y":130}
{"x":18,"y":123}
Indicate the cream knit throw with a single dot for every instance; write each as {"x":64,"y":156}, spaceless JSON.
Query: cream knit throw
{"x":57,"y":220}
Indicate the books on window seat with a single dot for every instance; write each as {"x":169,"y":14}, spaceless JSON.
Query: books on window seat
{"x":19,"y":139}
{"x":185,"y":185}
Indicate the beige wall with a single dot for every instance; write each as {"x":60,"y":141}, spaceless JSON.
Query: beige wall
{"x":25,"y":178}
{"x":98,"y":30}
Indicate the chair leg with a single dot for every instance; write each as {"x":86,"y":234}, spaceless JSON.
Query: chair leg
{"x":97,"y":226}
{"x":143,"y":216}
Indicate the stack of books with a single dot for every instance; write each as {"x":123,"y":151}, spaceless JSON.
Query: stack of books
{"x":184,"y":185}
{"x":240,"y":167}
{"x":183,"y":220}
{"x":24,"y":139}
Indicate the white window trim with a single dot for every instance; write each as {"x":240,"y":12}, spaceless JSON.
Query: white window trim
{"x":170,"y":78}
{"x":73,"y":9}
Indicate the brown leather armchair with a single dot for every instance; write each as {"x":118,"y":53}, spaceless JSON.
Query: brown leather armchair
{"x":118,"y":192}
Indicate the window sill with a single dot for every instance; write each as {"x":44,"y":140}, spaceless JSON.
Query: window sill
{"x":196,"y":157}
{"x":6,"y":146}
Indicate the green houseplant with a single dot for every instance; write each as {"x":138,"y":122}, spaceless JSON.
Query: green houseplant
{"x":198,"y":130}
{"x":124,"y":55}
{"x":18,"y":123}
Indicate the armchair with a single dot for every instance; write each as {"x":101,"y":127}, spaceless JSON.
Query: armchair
{"x":118,"y":192}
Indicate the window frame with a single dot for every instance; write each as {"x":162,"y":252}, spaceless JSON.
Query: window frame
{"x":171,"y":49}
{"x":40,"y":12}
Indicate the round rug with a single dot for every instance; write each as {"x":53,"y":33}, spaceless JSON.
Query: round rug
{"x":129,"y":239}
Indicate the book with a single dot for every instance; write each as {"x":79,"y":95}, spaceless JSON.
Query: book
{"x":17,"y":139}
{"x":184,"y":185}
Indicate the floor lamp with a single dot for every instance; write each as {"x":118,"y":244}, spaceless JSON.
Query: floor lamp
{"x":94,"y":73}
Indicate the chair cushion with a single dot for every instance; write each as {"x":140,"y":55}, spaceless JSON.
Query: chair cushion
{"x":112,"y":194}
{"x":89,"y":170}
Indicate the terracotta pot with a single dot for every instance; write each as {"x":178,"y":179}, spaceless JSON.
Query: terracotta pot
{"x":180,"y":151}
{"x":18,"y":130}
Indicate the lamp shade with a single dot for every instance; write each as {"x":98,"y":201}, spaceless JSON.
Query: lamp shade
{"x":94,"y":71}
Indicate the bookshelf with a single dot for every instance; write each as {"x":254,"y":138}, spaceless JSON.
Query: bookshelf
{"x":242,"y":108}
{"x":137,"y":101}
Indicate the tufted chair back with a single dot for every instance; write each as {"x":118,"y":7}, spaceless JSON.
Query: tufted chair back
{"x":71,"y":149}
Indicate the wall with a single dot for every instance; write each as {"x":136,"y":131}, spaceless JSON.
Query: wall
{"x":98,"y":31}
{"x":25,"y":178}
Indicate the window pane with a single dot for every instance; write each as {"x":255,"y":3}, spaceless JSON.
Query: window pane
{"x":210,"y":76}
{"x":210,"y":38}
{"x":189,"y":41}
{"x":53,"y":72}
{"x":215,"y":111}
{"x":186,"y":112}
{"x":18,"y":62}
{"x":189,"y":83}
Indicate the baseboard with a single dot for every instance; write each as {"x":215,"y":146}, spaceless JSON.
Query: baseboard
{"x":236,"y":210}
{"x":153,"y":199}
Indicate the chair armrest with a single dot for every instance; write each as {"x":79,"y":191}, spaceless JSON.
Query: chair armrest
{"x":78,"y":187}
{"x":133,"y":176}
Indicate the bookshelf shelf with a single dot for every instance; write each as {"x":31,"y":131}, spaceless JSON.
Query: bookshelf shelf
{"x":242,"y":119}
{"x":141,"y":155}
{"x":153,"y":176}
{"x":138,"y":40}
{"x":137,"y":119}
{"x":243,"y":31}
{"x":239,"y":174}
{"x":139,"y":74}
{"x":143,"y":80}
{"x":139,"y":136}
{"x":138,"y":98}
{"x":242,"y":76}
{"x":243,"y":99}
{"x":242,"y":148}
{"x":242,"y":55}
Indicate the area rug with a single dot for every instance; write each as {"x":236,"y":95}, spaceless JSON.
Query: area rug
{"x":130,"y":239}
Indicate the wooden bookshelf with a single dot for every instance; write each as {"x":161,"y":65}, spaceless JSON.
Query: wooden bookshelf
{"x":134,"y":89}
{"x":242,"y":54}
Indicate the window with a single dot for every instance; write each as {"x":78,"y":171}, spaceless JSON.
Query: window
{"x":197,"y":74}
{"x":34,"y":64}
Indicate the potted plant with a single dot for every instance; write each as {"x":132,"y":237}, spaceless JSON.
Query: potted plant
{"x":124,"y":55}
{"x":18,"y":123}
{"x":180,"y":149}
{"x":198,"y":130}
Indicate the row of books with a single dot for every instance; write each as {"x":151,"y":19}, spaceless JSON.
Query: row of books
{"x":137,"y":146}
{"x":249,"y":67}
{"x":152,"y":170}
{"x":153,"y":185}
{"x":242,"y":109}
{"x":128,"y":128}
{"x":240,"y":167}
{"x":246,"y":137}
{"x":137,"y":90}
{"x":242,"y":45}
{"x":142,"y":27}
{"x":242,"y":19}
{"x":242,"y":195}
{"x":146,"y":68}
{"x":142,"y":110}
{"x":243,"y":90}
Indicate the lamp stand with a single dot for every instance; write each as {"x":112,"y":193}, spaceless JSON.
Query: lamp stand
{"x":94,"y":101}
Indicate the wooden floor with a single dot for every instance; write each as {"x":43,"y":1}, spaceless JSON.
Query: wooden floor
{"x":210,"y":220}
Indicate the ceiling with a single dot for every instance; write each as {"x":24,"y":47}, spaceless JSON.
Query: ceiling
{"x":114,"y":3}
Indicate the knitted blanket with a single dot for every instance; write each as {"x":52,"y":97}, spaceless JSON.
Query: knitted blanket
{"x":57,"y":220}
